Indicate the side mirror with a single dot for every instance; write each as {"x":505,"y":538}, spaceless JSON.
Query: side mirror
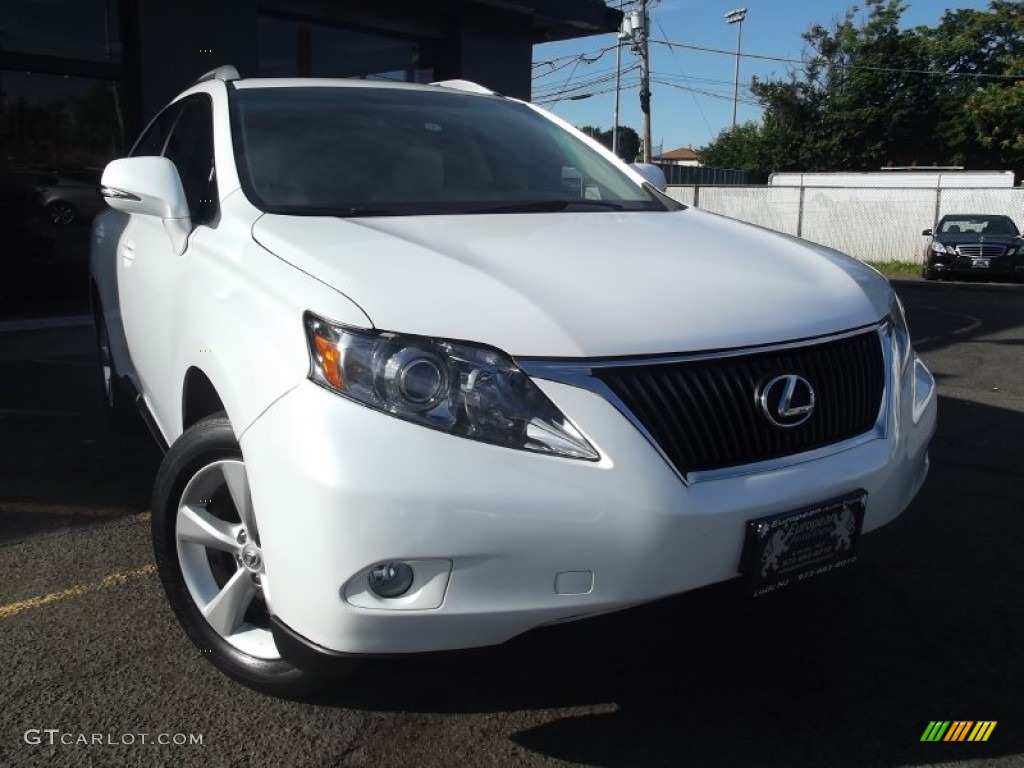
{"x":149,"y":186}
{"x":652,"y":174}
{"x":927,"y":233}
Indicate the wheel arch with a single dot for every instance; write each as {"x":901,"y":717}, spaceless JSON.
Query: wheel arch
{"x":199,"y":398}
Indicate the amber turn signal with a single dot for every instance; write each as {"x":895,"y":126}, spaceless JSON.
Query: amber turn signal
{"x":330,"y":361}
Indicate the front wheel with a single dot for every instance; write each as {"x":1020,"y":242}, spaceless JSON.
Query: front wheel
{"x":208,"y":554}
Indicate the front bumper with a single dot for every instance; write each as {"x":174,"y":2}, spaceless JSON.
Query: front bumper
{"x":504,"y":541}
{"x":961,"y":266}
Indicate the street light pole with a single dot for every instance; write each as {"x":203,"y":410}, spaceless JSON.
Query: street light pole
{"x":736,"y":17}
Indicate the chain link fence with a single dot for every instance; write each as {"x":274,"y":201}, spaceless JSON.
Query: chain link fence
{"x":705,"y":175}
{"x":871,"y":224}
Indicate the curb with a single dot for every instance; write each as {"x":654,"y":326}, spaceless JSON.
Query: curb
{"x":45,"y":323}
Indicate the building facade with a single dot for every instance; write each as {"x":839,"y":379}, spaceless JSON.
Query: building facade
{"x":79,"y":79}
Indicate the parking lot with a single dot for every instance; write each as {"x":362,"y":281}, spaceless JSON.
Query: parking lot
{"x":845,"y":670}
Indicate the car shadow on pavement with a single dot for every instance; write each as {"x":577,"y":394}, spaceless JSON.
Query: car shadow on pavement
{"x":846,"y":670}
{"x":947,"y":313}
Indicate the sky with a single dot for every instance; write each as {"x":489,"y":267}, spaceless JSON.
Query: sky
{"x":694,"y":99}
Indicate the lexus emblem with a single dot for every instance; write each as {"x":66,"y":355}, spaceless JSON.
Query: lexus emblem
{"x":787,"y":401}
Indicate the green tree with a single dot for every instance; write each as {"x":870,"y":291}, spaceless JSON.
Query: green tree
{"x":986,"y":50}
{"x":629,"y":140}
{"x":871,"y":94}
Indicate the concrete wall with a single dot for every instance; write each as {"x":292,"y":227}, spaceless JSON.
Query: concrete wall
{"x":874,"y":224}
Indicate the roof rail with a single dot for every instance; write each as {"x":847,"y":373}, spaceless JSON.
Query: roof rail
{"x":466,"y":85}
{"x":223,"y":72}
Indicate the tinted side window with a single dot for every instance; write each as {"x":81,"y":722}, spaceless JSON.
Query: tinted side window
{"x":190,"y":148}
{"x":153,"y":139}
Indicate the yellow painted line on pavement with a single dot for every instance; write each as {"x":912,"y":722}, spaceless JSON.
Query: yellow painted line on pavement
{"x":114,"y":580}
{"x":63,"y":510}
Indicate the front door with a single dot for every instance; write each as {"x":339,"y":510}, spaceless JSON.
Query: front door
{"x":149,"y":270}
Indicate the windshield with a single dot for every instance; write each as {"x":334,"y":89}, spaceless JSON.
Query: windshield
{"x":978,"y":225}
{"x":363,"y":151}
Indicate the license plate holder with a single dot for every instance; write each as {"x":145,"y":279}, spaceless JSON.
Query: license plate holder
{"x":786,"y":548}
{"x":980,"y":264}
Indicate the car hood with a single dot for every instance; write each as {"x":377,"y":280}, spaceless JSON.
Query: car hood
{"x":956,"y":239}
{"x":583,"y":284}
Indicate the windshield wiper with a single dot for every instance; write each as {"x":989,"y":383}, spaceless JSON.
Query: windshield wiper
{"x":547,"y":206}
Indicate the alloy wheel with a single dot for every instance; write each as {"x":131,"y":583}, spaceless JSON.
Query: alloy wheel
{"x":220,"y":557}
{"x":61,"y":213}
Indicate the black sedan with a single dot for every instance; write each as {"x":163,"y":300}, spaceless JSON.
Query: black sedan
{"x":978,"y":245}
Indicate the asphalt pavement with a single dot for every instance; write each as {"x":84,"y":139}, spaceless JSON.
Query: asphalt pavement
{"x":844,"y":670}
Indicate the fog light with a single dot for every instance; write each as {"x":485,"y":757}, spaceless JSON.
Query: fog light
{"x":390,"y":579}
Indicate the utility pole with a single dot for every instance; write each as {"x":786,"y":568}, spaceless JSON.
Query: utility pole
{"x":645,"y":75}
{"x":736,"y":17}
{"x":618,"y":82}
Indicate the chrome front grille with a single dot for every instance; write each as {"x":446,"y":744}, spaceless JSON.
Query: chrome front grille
{"x":705,"y":415}
{"x":983,"y":250}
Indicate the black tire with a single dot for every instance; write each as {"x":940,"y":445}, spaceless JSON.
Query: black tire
{"x":61,"y":213}
{"x":927,"y":273}
{"x":117,"y":399}
{"x":201,"y":449}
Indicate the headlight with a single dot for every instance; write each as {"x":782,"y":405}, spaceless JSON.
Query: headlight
{"x":466,"y":390}
{"x":938,"y":247}
{"x":1011,"y":251}
{"x":900,"y":333}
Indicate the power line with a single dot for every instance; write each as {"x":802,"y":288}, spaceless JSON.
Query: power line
{"x":590,"y":79}
{"x":545,"y":62}
{"x":579,"y":85}
{"x":581,"y":91}
{"x":709,"y":94}
{"x":568,"y":79}
{"x":563,"y":91}
{"x":555,"y":60}
{"x":704,"y":80}
{"x":625,"y":86}
{"x":783,"y":59}
{"x":610,"y":72}
{"x":565,"y":61}
{"x":680,"y":66}
{"x":556,"y":68}
{"x":575,"y":92}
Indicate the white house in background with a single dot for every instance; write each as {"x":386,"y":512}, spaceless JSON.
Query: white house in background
{"x":681,"y":156}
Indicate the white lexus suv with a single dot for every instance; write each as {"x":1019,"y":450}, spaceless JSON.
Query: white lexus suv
{"x":431,"y":369}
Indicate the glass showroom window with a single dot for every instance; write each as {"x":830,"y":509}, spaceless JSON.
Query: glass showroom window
{"x":84,"y":29}
{"x":291,"y":48}
{"x":57,"y":133}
